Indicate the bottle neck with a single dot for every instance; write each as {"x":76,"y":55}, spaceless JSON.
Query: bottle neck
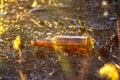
{"x":42,"y":43}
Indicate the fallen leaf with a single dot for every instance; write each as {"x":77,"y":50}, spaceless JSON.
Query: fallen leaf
{"x":17,"y":43}
{"x":110,"y":71}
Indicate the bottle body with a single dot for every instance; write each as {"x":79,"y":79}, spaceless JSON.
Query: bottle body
{"x":73,"y":43}
{"x":68,"y":43}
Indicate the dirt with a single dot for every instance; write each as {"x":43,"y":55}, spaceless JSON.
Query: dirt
{"x":47,"y":21}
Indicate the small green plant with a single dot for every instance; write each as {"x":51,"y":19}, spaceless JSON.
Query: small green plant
{"x":83,"y":26}
{"x":65,"y":64}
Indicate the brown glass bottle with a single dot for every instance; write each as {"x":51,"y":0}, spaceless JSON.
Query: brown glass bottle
{"x":67,"y":43}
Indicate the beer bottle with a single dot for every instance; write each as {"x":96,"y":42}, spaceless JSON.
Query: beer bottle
{"x":67,"y":43}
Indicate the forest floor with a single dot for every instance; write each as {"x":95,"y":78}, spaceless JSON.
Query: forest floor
{"x":46,"y":22}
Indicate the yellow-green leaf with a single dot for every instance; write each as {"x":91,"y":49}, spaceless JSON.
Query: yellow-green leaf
{"x":110,"y":71}
{"x":34,"y":4}
{"x":2,"y":29}
{"x":17,"y":43}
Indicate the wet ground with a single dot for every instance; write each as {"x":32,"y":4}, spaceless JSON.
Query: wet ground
{"x":47,"y":21}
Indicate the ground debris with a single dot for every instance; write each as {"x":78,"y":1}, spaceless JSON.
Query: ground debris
{"x":19,"y":18}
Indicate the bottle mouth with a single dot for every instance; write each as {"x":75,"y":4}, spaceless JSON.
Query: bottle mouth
{"x":32,"y":43}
